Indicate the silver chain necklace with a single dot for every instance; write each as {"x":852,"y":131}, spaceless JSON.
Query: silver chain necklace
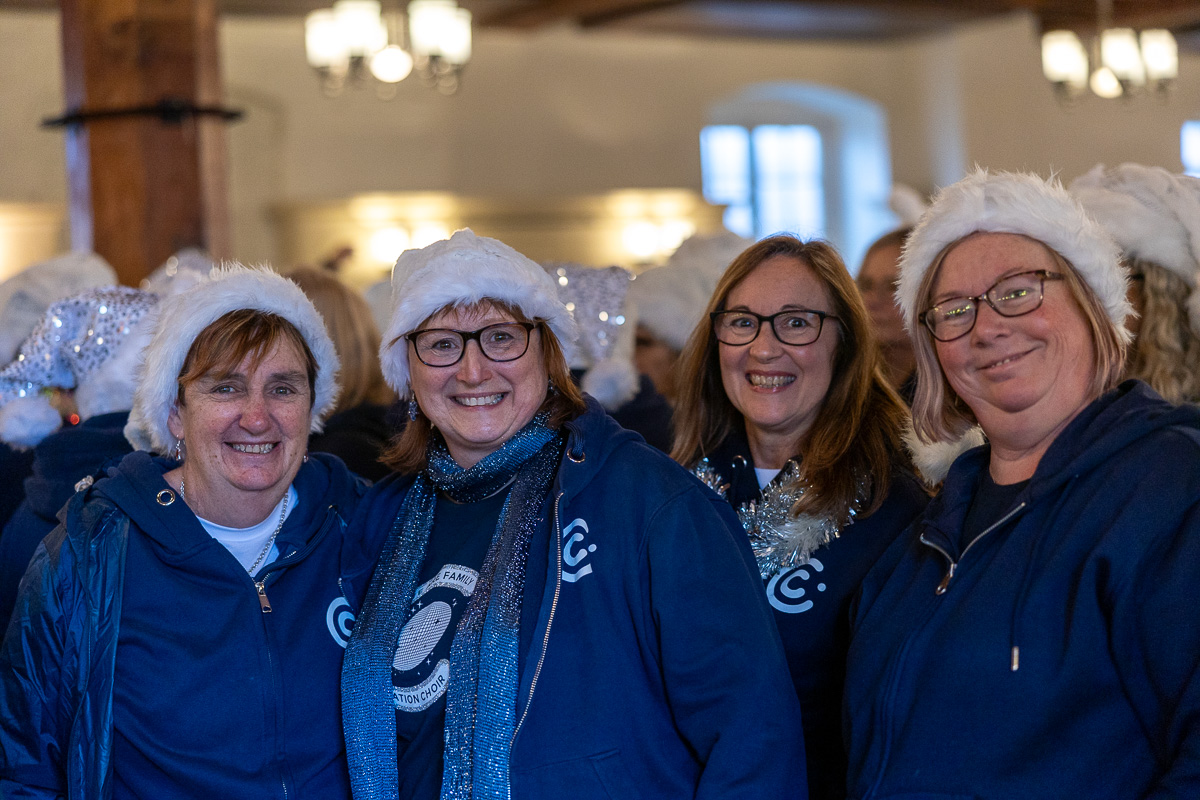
{"x":271,"y":541}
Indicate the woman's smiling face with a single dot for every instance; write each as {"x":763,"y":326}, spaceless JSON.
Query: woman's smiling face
{"x":779,"y":388}
{"x":246,"y":429}
{"x":478,"y":404}
{"x":1039,"y":365}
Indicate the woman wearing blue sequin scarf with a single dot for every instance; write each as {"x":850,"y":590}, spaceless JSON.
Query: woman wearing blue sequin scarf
{"x":785,"y":412}
{"x":559,"y":609}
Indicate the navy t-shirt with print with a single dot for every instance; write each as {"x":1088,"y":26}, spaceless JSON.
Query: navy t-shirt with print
{"x":458,"y":544}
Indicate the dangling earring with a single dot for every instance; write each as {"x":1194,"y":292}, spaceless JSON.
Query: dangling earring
{"x":414,"y":410}
{"x":551,"y":389}
{"x":179,"y":449}
{"x":305,"y":458}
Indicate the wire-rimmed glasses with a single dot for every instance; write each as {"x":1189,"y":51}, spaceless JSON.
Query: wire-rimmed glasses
{"x":1011,"y":296}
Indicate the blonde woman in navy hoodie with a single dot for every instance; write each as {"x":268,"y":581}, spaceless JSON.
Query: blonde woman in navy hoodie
{"x":1035,"y":634}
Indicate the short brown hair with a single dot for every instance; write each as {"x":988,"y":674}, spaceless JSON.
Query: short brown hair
{"x":355,"y":337}
{"x":223,"y":345}
{"x":940,"y":415}
{"x":408,"y":451}
{"x":856,"y":436}
{"x":896,"y":238}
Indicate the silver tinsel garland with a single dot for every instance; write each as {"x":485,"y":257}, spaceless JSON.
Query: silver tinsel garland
{"x":778,"y":539}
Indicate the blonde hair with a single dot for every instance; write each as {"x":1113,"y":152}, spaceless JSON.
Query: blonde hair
{"x":408,"y":451}
{"x":355,"y":337}
{"x":940,"y":415}
{"x":856,"y":436}
{"x":1166,"y":352}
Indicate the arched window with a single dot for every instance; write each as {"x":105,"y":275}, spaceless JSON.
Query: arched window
{"x":1189,"y":147}
{"x":806,"y":159}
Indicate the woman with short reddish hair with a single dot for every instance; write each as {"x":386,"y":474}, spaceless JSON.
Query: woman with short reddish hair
{"x":181,"y":633}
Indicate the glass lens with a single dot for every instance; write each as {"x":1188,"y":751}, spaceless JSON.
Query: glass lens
{"x":736,"y":327}
{"x":504,"y":342}
{"x":438,"y":347}
{"x":951,"y":318}
{"x":797,"y":327}
{"x":1018,"y":294}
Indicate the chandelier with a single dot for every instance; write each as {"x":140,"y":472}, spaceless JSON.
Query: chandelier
{"x":1122,"y":61}
{"x":353,"y":43}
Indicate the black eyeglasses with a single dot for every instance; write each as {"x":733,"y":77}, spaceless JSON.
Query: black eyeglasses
{"x":444,"y":347}
{"x":1011,"y":296}
{"x":794,"y":326}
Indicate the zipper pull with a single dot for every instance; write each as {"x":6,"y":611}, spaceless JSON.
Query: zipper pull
{"x":941,"y":589}
{"x":262,"y":597}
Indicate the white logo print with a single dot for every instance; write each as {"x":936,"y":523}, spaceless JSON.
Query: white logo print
{"x":573,"y":557}
{"x":785,"y":593}
{"x":340,"y":620}
{"x":421,"y":669}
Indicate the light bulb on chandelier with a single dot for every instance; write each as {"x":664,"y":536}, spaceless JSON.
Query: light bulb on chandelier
{"x":354,"y":42}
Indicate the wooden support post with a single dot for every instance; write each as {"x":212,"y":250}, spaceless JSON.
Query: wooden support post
{"x":140,"y":187}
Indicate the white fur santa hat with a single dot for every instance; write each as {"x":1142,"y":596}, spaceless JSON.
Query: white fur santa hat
{"x":1022,"y":203}
{"x":92,"y":343}
{"x":670,"y":300}
{"x":595,"y":296}
{"x":462,"y":271}
{"x":184,"y":316}
{"x":25,"y":296}
{"x":1153,"y":215}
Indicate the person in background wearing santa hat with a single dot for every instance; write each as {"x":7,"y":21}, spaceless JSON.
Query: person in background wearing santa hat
{"x":1155,"y":218}
{"x":669,"y":300}
{"x":90,"y":344}
{"x":1034,"y":633}
{"x":24,"y":298}
{"x":181,"y":633}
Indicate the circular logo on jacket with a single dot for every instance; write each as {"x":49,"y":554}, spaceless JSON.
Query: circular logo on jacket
{"x":340,"y":620}
{"x":789,"y":589}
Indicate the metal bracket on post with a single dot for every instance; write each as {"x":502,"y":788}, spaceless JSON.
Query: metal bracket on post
{"x":172,"y":111}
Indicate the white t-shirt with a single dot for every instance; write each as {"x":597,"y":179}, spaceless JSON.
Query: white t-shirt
{"x":765,"y":476}
{"x":247,"y":543}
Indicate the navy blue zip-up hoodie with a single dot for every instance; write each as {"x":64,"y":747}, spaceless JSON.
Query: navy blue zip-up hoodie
{"x":649,"y":665}
{"x":141,"y":662}
{"x":60,"y":461}
{"x":1062,"y":658}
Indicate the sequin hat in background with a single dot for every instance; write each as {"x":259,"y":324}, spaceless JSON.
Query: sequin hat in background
{"x":596,"y":297}
{"x":90,"y":342}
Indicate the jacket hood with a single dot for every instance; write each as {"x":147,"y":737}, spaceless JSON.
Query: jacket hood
{"x":62,"y":459}
{"x":134,"y":486}
{"x":602,"y":435}
{"x":1094,"y":438}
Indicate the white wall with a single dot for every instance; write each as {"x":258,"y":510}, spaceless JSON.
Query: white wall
{"x":561,"y":112}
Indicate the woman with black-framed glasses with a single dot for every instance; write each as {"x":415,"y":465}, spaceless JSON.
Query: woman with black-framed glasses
{"x":560,"y":610}
{"x":784,"y":411}
{"x":1034,"y":634}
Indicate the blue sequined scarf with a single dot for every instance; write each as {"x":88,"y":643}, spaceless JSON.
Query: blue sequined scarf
{"x":481,"y":698}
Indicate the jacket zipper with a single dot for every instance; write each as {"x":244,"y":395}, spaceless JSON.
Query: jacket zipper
{"x":945,"y":584}
{"x":265,"y":606}
{"x":260,"y":585}
{"x":549,"y":622}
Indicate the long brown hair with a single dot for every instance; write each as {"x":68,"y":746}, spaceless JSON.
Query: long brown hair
{"x":856,"y":436}
{"x":407,"y":452}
